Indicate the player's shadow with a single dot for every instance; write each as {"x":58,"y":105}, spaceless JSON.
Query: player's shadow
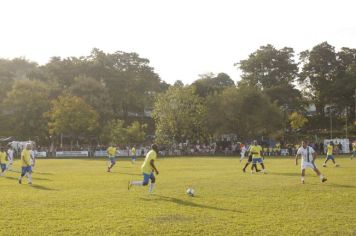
{"x":9,"y":177}
{"x":284,"y":174}
{"x":125,"y":173}
{"x":36,"y":178}
{"x":40,"y":187}
{"x":337,"y":185}
{"x":190,"y":204}
{"x":43,"y":173}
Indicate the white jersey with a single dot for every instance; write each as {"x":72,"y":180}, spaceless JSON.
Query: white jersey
{"x":307,"y":154}
{"x":33,"y":155}
{"x":10,"y":155}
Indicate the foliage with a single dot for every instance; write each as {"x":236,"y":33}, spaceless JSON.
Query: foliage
{"x":179,"y":115}
{"x":209,"y":84}
{"x":297,"y":120}
{"x":70,"y":115}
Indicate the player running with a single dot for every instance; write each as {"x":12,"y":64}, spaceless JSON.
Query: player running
{"x":148,"y":168}
{"x":2,"y":161}
{"x":26,"y":164}
{"x":243,"y":151}
{"x":10,"y":158}
{"x":256,"y":151}
{"x":329,"y":154}
{"x":308,"y":156}
{"x":133,"y":153}
{"x":111,"y":151}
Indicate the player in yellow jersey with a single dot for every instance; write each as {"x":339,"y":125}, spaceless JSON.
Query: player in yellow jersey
{"x":148,"y":168}
{"x":256,"y":151}
{"x":133,"y":154}
{"x":2,"y":161}
{"x":353,"y":149}
{"x":26,"y":164}
{"x":111,"y":151}
{"x":329,"y":154}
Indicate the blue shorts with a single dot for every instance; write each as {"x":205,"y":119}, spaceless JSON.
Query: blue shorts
{"x":26,"y":169}
{"x":257,"y":160}
{"x":3,"y":167}
{"x":112,"y":160}
{"x":329,"y":157}
{"x":147,"y":177}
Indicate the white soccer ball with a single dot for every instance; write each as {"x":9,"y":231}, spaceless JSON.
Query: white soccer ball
{"x":190,"y":192}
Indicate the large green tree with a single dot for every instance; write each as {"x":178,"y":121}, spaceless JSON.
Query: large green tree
{"x":210,"y":84}
{"x":179,"y":115}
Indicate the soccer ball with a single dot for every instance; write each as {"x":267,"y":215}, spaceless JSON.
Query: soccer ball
{"x":190,"y":192}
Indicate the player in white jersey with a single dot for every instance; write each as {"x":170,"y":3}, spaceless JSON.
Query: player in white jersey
{"x":243,"y":151}
{"x":10,"y":158}
{"x":308,"y":156}
{"x":33,"y":155}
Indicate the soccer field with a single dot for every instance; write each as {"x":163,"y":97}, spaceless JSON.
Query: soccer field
{"x":77,"y":197}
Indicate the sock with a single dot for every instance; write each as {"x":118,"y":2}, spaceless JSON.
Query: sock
{"x":137,"y":183}
{"x":303,"y":178}
{"x":29,"y":178}
{"x":151,"y":187}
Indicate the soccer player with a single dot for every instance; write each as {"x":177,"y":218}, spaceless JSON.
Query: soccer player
{"x":133,"y":153}
{"x":308,"y":156}
{"x":10,"y":158}
{"x":33,"y":154}
{"x":243,"y":151}
{"x":2,"y":161}
{"x":329,"y":154}
{"x":26,"y":164}
{"x":353,"y":149}
{"x":111,"y":151}
{"x":148,"y":168}
{"x":256,"y":151}
{"x":249,"y":160}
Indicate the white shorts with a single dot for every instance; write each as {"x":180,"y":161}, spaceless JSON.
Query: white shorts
{"x":307,"y":165}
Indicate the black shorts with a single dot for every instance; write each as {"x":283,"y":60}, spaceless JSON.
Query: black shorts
{"x":249,"y":160}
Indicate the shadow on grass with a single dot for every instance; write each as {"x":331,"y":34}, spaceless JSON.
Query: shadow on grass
{"x":336,"y":185}
{"x":9,"y":177}
{"x":189,"y":203}
{"x":40,"y":187}
{"x":284,"y":174}
{"x":43,"y":173}
{"x":125,"y":173}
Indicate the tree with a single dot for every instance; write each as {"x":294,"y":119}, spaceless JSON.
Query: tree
{"x":94,"y":94}
{"x":70,"y":115}
{"x":115,"y":132}
{"x":210,"y":84}
{"x":244,"y":111}
{"x":269,"y":67}
{"x":179,"y":116}
{"x":24,"y":107}
{"x":136,"y":133}
{"x":319,"y":70}
{"x":297,"y":120}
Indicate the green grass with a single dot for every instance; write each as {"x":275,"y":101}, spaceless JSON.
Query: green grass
{"x":77,"y":197}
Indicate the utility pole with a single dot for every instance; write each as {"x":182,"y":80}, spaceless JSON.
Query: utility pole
{"x":331,"y":124}
{"x":346,"y":121}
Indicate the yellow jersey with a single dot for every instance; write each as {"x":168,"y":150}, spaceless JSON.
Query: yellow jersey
{"x":256,"y":149}
{"x":2,"y":157}
{"x":25,"y":158}
{"x":146,"y":166}
{"x":133,"y":151}
{"x":330,"y":149}
{"x":111,"y":151}
{"x":354,"y":146}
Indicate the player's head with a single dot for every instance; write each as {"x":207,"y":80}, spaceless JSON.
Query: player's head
{"x":304,"y":144}
{"x":28,"y":146}
{"x":154,"y":147}
{"x":331,"y":143}
{"x":254,"y":142}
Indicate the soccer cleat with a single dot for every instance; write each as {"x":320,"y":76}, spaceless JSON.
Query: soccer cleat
{"x":244,"y":170}
{"x":324,"y":165}
{"x":129,"y":185}
{"x":20,"y":181}
{"x":264,"y":171}
{"x":108,"y":169}
{"x":323,"y":180}
{"x":302,"y":181}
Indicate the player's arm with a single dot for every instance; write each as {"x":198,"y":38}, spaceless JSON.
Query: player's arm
{"x":152,"y":163}
{"x":296,"y":158}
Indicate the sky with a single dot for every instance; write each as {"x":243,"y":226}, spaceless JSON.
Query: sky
{"x":181,"y":38}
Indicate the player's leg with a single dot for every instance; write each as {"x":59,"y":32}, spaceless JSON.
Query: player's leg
{"x":3,"y":168}
{"x":302,"y":175}
{"x":23,"y":173}
{"x":253,"y":166}
{"x":112,"y":163}
{"x":316,"y":170}
{"x":146,"y":179}
{"x":29,"y":175}
{"x":153,"y":181}
{"x":263,"y":167}
{"x":247,"y":163}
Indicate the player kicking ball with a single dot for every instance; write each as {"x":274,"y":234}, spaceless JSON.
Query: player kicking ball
{"x":148,"y":168}
{"x":26,"y":164}
{"x":329,"y":154}
{"x":308,"y":156}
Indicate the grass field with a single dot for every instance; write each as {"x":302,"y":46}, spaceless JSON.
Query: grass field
{"x":77,"y":197}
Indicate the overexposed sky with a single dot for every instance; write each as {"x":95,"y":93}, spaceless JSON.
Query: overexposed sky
{"x":181,"y":38}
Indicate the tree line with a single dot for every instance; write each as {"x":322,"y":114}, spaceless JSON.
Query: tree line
{"x":119,"y":97}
